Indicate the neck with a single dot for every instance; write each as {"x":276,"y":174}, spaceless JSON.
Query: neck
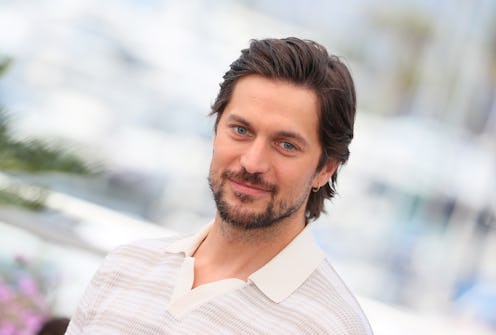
{"x":231,"y":252}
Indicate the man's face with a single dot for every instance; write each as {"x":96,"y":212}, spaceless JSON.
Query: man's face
{"x":266,"y":151}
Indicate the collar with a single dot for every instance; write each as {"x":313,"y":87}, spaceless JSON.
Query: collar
{"x":283,"y":274}
{"x":189,"y":244}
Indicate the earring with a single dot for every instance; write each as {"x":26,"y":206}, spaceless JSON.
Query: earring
{"x":315,"y":189}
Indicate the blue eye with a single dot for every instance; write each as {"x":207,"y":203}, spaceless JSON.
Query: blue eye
{"x":287,"y":146}
{"x":240,"y":130}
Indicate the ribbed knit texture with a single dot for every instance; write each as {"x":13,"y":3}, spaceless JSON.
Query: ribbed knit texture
{"x":131,"y":291}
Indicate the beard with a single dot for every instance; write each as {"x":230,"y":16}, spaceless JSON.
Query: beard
{"x":239,"y":215}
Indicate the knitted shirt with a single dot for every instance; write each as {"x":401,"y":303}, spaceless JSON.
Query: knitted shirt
{"x":145,"y":288}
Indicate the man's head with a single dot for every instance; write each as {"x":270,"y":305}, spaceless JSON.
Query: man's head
{"x":304,"y":64}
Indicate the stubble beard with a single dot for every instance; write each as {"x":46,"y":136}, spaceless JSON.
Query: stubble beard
{"x":237,"y":215}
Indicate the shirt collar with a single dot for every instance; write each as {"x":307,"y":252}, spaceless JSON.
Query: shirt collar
{"x":189,"y":244}
{"x":283,"y":274}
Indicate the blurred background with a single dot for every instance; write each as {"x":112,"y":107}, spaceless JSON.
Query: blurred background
{"x":105,"y":138}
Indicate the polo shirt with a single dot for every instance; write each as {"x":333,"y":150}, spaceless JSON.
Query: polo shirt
{"x":146,"y":288}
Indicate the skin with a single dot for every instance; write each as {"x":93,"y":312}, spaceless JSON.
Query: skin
{"x":266,"y":151}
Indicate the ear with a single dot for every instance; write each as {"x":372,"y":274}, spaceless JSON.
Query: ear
{"x":325,"y":174}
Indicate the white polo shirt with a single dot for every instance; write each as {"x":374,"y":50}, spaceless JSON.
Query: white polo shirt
{"x":145,"y":288}
{"x":277,"y":279}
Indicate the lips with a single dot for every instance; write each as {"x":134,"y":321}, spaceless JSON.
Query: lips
{"x":247,"y":188}
{"x":250,"y":184}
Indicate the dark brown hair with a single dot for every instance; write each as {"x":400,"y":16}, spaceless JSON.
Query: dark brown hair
{"x":54,"y":326}
{"x":305,"y":63}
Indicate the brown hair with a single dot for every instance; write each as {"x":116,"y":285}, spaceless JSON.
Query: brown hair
{"x":306,"y":63}
{"x":54,"y":326}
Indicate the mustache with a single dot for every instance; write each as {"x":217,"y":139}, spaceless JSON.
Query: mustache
{"x":254,"y":179}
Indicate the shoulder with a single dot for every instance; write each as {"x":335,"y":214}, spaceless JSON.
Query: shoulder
{"x":153,"y":245}
{"x":139,"y":252}
{"x":328,"y":296}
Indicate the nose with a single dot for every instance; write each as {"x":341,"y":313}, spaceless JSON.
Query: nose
{"x":255,"y":158}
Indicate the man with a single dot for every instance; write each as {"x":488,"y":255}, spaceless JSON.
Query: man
{"x":284,"y":120}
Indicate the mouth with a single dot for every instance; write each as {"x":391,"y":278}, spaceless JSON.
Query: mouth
{"x":246,"y":188}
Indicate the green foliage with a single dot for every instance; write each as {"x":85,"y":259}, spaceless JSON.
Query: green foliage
{"x":4,"y":64}
{"x":35,"y":155}
{"x":23,"y":196}
{"x":31,"y":156}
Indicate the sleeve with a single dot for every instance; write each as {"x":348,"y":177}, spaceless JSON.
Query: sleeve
{"x":90,"y":297}
{"x":100,"y":286}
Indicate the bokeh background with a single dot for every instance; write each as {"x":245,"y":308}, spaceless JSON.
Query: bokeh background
{"x":105,"y":138}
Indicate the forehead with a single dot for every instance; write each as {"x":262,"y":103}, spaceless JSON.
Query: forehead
{"x":275,"y":104}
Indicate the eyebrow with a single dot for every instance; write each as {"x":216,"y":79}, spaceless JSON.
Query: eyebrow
{"x":282,"y":133}
{"x":239,"y":119}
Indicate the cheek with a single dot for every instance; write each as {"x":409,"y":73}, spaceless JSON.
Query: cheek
{"x":223,"y":153}
{"x":295,"y":177}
